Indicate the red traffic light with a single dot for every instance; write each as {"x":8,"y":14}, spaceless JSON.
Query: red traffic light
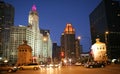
{"x":62,"y":54}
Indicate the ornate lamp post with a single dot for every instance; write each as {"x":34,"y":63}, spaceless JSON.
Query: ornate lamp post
{"x":106,"y":37}
{"x":106,"y":41}
{"x":45,"y":39}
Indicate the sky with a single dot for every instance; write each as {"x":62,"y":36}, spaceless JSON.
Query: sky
{"x":55,"y":14}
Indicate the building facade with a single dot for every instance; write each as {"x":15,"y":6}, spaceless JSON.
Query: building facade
{"x":33,"y":21}
{"x":56,"y":53}
{"x":104,"y":23}
{"x":24,"y":51}
{"x":78,"y":48}
{"x":6,"y":21}
{"x":12,"y":36}
{"x":70,"y":47}
{"x":40,"y":40}
{"x":17,"y":35}
{"x":46,"y":52}
{"x":99,"y":51}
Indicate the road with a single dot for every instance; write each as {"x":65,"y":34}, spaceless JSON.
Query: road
{"x":110,"y":69}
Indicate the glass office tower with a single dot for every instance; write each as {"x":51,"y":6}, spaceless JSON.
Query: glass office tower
{"x":105,"y":24}
{"x":6,"y":21}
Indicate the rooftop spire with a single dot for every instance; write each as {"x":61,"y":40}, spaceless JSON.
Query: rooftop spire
{"x":34,"y":8}
{"x":69,"y":29}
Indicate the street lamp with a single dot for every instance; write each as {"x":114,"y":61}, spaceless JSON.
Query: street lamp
{"x":79,"y":37}
{"x":78,"y":49}
{"x":45,"y":39}
{"x":106,"y":39}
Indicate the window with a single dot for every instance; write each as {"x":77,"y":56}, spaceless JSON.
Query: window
{"x":113,"y":3}
{"x":118,"y":14}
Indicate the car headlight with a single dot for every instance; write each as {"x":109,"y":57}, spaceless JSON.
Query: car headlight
{"x":14,"y":67}
{"x":56,"y":65}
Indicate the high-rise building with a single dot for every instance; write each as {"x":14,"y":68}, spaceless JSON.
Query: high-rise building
{"x":33,"y":21}
{"x":78,"y":48}
{"x":56,"y":53}
{"x":46,"y":52}
{"x":105,"y":24}
{"x":6,"y":21}
{"x":17,"y":35}
{"x":40,"y":41}
{"x":12,"y":36}
{"x":69,"y":43}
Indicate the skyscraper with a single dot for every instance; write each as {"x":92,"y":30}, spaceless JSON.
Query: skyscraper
{"x":40,"y":41}
{"x":56,"y":54}
{"x":68,"y":43}
{"x":105,"y":24}
{"x":6,"y":21}
{"x":17,"y":35}
{"x":12,"y":36}
{"x":46,"y":52}
{"x":33,"y":21}
{"x":41,"y":49}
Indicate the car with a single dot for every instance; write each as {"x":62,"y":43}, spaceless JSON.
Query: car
{"x":33,"y":66}
{"x":78,"y":64}
{"x":4,"y":67}
{"x":94,"y":65}
{"x":54,"y":65}
{"x":51,"y":65}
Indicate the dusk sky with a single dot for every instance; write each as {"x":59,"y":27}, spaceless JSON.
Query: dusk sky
{"x":55,"y":14}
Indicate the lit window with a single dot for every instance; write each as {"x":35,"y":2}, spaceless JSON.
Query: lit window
{"x":113,"y":3}
{"x":118,"y":15}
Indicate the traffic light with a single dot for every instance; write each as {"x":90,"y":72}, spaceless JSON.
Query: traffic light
{"x":62,"y":54}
